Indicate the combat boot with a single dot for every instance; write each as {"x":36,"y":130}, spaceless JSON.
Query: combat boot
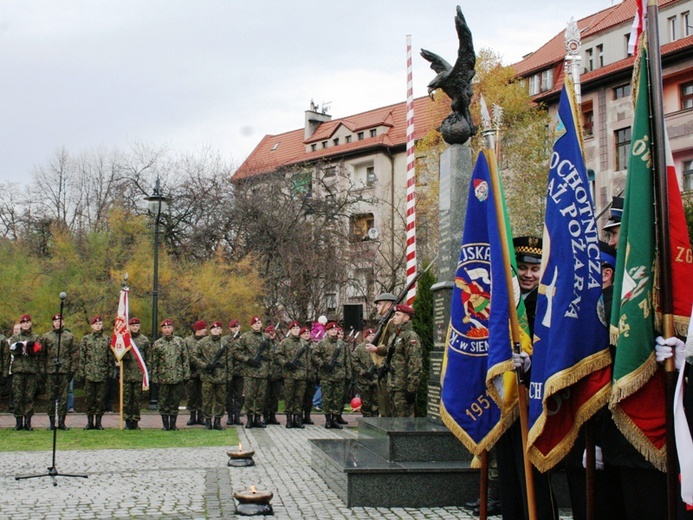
{"x":340,"y":420}
{"x":229,"y":419}
{"x":306,"y":418}
{"x":208,"y":423}
{"x":164,"y":420}
{"x":51,"y":419}
{"x":135,"y":425}
{"x":272,"y":419}
{"x":289,"y":421}
{"x":249,"y":421}
{"x":193,"y":418}
{"x":172,"y":422}
{"x":27,"y":424}
{"x":237,"y":418}
{"x":259,"y":423}
{"x":335,"y":422}
{"x":328,"y":421}
{"x":61,"y":423}
{"x":90,"y":423}
{"x":217,"y":423}
{"x":298,"y":423}
{"x":200,"y":418}
{"x":20,"y":423}
{"x":128,"y":424}
{"x":97,"y":424}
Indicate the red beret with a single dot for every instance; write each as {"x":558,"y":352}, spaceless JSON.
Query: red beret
{"x":269,"y":328}
{"x":294,"y":324}
{"x":303,"y":330}
{"x":234,"y":323}
{"x":368,"y":332}
{"x":255,"y":319}
{"x":94,"y":320}
{"x":406,"y":309}
{"x":215,"y":324}
{"x":331,"y":325}
{"x":24,"y":317}
{"x":200,"y":325}
{"x":57,"y":317}
{"x":134,"y":321}
{"x":167,"y":323}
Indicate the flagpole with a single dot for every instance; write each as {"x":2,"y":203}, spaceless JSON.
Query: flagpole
{"x":663,"y":245}
{"x":120,"y":367}
{"x":483,"y":492}
{"x":514,"y":323}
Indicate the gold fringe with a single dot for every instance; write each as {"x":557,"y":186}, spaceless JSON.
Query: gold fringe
{"x":657,"y":457}
{"x":486,"y":443}
{"x":632,"y":382}
{"x":613,"y":334}
{"x":476,"y":463}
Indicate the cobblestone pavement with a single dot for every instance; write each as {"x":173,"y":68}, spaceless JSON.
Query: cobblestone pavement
{"x":180,"y":483}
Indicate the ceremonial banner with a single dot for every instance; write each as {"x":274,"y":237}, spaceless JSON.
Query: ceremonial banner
{"x":571,"y":364}
{"x":121,"y":342}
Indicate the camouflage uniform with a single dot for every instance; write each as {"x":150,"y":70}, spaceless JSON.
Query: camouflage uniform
{"x":311,"y":382}
{"x":366,"y":381}
{"x":274,"y":384}
{"x":58,"y":376}
{"x":4,"y":362}
{"x":170,"y":370}
{"x":213,"y":381}
{"x":234,"y":381}
{"x":255,"y":378}
{"x":406,"y":369}
{"x":193,"y":387}
{"x":25,"y":365}
{"x":383,"y":393}
{"x":132,"y":380}
{"x":332,"y":378}
{"x":295,"y":374}
{"x":95,"y":367}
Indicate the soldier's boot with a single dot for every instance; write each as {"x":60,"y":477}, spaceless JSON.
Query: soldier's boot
{"x":200,"y":418}
{"x":128,"y":424}
{"x":328,"y":421}
{"x":193,"y":418}
{"x":230,"y":418}
{"x":265,"y":418}
{"x":97,"y":424}
{"x":90,"y":423}
{"x":237,"y":418}
{"x":298,"y":423}
{"x":51,"y":419}
{"x":61,"y":423}
{"x":273,"y":419}
{"x":289,"y":420}
{"x":306,"y":417}
{"x":164,"y":420}
{"x":249,"y":421}
{"x":135,"y":425}
{"x":172,"y":422}
{"x":259,"y":423}
{"x":335,"y":422}
{"x":217,"y":423}
{"x":27,"y":424}
{"x":208,"y":423}
{"x":20,"y":423}
{"x":340,"y":419}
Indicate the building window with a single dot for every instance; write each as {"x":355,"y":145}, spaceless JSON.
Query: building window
{"x":335,"y":141}
{"x":276,"y":145}
{"x":686,"y":28}
{"x":374,"y":132}
{"x":330,"y":171}
{"x":534,"y":85}
{"x":587,"y":119}
{"x":622,"y":91}
{"x":324,"y":144}
{"x":371,"y":179}
{"x":600,"y":55}
{"x":313,"y":147}
{"x":622,"y":148}
{"x":348,"y":139}
{"x":331,"y":303}
{"x":688,"y":175}
{"x":359,"y":226}
{"x":547,"y":80}
{"x":671,"y":24}
{"x":360,"y":136}
{"x":589,"y":59}
{"x":687,"y":95}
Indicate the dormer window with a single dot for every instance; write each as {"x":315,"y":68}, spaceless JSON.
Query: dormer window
{"x":276,"y":145}
{"x":313,"y":147}
{"x":374,"y":132}
{"x":335,"y":141}
{"x":348,"y":139}
{"x":324,"y":144}
{"x":360,"y":136}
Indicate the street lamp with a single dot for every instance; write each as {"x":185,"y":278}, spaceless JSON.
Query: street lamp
{"x":157,"y":204}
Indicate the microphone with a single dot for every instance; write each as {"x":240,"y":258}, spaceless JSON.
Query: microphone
{"x":63,"y":295}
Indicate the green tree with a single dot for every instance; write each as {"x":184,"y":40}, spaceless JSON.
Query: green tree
{"x":423,"y":326}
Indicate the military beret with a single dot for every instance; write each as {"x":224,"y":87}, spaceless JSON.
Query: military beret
{"x":368,"y":332}
{"x":255,"y":319}
{"x":406,"y":309}
{"x":24,"y":318}
{"x":331,"y":325}
{"x":294,"y":324}
{"x":269,"y":328}
{"x":167,"y":323}
{"x":303,"y":331}
{"x":57,"y":317}
{"x":134,"y":321}
{"x":95,"y":319}
{"x":234,"y":323}
{"x":215,"y":324}
{"x":528,"y":249}
{"x":200,"y":325}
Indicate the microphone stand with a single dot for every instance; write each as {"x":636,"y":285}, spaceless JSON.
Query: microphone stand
{"x":53,"y":471}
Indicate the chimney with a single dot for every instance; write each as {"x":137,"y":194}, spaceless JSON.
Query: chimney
{"x":315,"y":116}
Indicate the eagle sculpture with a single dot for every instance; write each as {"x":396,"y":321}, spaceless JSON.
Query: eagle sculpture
{"x":456,"y":82}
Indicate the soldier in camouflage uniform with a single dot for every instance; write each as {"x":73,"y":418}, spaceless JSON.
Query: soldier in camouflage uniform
{"x":274,"y":379}
{"x":294,"y":358}
{"x":383,"y":303}
{"x":208,"y":355}
{"x":7,"y":366}
{"x":406,"y":365}
{"x":170,"y":370}
{"x":194,"y":386}
{"x":366,"y":376}
{"x":95,"y":367}
{"x":311,"y":375}
{"x":334,"y":367}
{"x":132,"y":377}
{"x":4,"y":354}
{"x":58,"y":371}
{"x":234,"y":377}
{"x":25,"y":348}
{"x":252,"y":355}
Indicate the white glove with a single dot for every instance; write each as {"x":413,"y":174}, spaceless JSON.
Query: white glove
{"x":522,"y":360}
{"x":598,"y":458}
{"x":663,"y":350}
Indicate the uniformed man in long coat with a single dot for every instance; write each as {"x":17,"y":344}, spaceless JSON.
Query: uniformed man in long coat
{"x":209,"y":355}
{"x":234,"y":375}
{"x":170,"y":370}
{"x":132,"y":376}
{"x":95,"y":367}
{"x":334,"y":367}
{"x":194,"y":387}
{"x":252,"y":355}
{"x":406,"y":363}
{"x":294,"y":358}
{"x":24,"y":367}
{"x":58,"y":370}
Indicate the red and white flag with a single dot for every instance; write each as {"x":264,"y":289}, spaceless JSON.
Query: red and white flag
{"x":638,"y":25}
{"x":122,"y":342}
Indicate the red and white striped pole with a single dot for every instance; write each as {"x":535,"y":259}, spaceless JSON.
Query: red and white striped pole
{"x":411,"y":180}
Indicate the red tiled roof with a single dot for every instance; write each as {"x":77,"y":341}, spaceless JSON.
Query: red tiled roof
{"x":292,"y":145}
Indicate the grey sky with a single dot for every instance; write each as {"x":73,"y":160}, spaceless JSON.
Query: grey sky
{"x":187,"y":74}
